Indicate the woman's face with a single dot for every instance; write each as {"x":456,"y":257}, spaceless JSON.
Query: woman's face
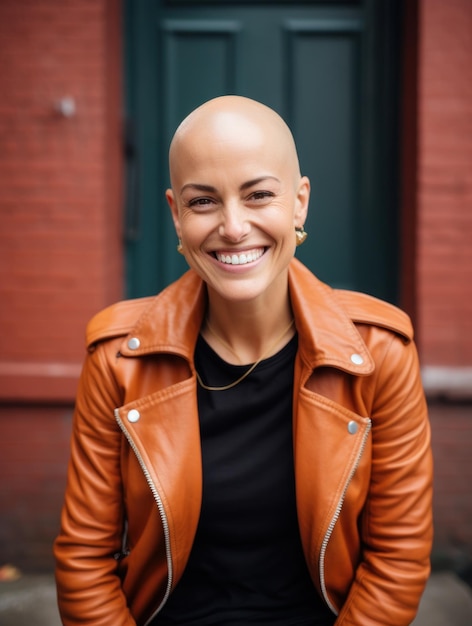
{"x":236,"y":199}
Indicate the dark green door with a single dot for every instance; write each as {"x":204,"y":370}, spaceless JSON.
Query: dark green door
{"x":328,"y":68}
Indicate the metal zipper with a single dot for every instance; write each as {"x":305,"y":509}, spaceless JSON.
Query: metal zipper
{"x":162,"y":513}
{"x":335,"y":518}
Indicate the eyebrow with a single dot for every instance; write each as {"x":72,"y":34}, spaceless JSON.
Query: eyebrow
{"x":243,"y":187}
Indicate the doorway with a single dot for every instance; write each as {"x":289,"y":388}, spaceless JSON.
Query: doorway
{"x":331,"y":69}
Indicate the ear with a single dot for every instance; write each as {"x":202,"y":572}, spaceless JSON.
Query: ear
{"x":301,"y":202}
{"x":174,"y":210}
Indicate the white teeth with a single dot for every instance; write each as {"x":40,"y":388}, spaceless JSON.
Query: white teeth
{"x":240,"y":259}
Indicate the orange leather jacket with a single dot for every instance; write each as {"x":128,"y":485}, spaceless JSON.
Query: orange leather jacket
{"x":362,"y":457}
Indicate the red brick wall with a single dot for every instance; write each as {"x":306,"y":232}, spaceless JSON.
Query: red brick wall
{"x":451,"y":426}
{"x":445,"y":183}
{"x":34,"y":448}
{"x":444,"y":262}
{"x":61,"y":256}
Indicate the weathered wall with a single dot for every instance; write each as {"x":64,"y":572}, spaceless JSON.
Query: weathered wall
{"x":61,"y":257}
{"x":445,"y":183}
{"x":444,"y":263}
{"x":60,"y":253}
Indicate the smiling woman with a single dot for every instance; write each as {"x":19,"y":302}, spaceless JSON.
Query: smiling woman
{"x":237,"y":197}
{"x":269,"y":461}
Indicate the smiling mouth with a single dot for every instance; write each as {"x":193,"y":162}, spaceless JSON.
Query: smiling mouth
{"x":240,"y":259}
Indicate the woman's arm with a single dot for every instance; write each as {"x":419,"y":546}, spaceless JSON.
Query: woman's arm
{"x":89,"y":590}
{"x":396,"y":526}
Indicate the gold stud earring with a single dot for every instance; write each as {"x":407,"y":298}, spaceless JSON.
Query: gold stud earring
{"x":300,"y":235}
{"x":180,"y":249}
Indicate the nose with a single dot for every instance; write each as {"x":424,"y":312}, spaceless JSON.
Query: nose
{"x":234,"y":224}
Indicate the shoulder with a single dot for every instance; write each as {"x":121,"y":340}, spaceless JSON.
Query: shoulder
{"x":116,"y":320}
{"x":365,"y":309}
{"x":361,"y":309}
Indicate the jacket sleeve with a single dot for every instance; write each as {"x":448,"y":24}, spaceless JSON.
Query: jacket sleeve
{"x":88,"y":588}
{"x":396,"y":525}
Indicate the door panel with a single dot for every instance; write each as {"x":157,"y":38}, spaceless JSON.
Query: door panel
{"x":323,"y":117}
{"x":318,"y":66}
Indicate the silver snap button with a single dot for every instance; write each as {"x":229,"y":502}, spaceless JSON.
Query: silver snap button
{"x":357,"y":359}
{"x":352,"y":427}
{"x":133,"y":415}
{"x":134,"y":343}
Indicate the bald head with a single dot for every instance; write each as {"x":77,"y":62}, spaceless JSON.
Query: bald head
{"x":236,"y":182}
{"x":235,"y":123}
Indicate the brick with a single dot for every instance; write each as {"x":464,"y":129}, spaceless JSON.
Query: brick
{"x":54,"y":173}
{"x":445,"y":182}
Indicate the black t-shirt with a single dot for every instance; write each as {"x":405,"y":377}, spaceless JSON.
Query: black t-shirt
{"x":246,"y":565}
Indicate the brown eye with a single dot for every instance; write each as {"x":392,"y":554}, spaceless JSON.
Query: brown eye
{"x":262,"y":195}
{"x":200,"y":202}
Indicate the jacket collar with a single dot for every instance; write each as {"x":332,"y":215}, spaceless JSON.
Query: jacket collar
{"x":171,"y":322}
{"x":328,"y":337}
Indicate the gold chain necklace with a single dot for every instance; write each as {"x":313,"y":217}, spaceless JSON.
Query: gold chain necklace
{"x":251,"y":369}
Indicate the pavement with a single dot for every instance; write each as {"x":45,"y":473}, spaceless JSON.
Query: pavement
{"x":31,"y":601}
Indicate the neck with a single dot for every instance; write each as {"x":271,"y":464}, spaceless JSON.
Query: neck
{"x":242,"y":334}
